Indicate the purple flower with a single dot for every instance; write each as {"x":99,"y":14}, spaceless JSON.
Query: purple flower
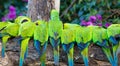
{"x":89,"y":23}
{"x":92,"y":18}
{"x":12,"y":9}
{"x":11,"y":16}
{"x":83,"y":23}
{"x":12,"y":13}
{"x":99,"y":24}
{"x":3,"y":19}
{"x":99,"y":17}
{"x":107,"y":24}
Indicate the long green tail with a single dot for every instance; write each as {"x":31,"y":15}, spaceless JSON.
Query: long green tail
{"x":43,"y":54}
{"x":109,"y":56}
{"x":4,"y":41}
{"x":55,"y":46}
{"x":115,"y":48}
{"x":56,"y":55}
{"x":84,"y":54}
{"x":24,"y":50}
{"x":70,"y":57}
{"x":42,"y":59}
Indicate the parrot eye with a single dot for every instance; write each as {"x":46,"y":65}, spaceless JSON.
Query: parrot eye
{"x":37,"y":23}
{"x":25,"y":20}
{"x":117,"y":37}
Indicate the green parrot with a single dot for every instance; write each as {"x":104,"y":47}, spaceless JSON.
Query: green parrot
{"x":9,"y":30}
{"x":41,"y":39}
{"x":83,"y":39}
{"x":26,"y":31}
{"x":68,"y":39}
{"x":101,"y":39}
{"x":112,"y":31}
{"x":55,"y":31}
{"x":19,"y":20}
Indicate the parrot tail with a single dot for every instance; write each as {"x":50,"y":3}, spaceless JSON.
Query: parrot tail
{"x":41,"y":50}
{"x":70,"y":57}
{"x":22,"y":58}
{"x":21,"y":61}
{"x":55,"y":45}
{"x":68,"y":48}
{"x":84,"y":54}
{"x":3,"y":51}
{"x":115,"y":45}
{"x":109,"y":56}
{"x":37,"y":46}
{"x":26,"y":53}
{"x":24,"y":50}
{"x":115,"y":54}
{"x":42,"y":59}
{"x":56,"y":56}
{"x":4,"y":41}
{"x":43,"y":54}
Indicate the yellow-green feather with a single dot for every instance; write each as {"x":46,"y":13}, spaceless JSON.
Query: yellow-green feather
{"x":113,"y":30}
{"x":12,"y":29}
{"x":84,"y":34}
{"x":41,"y":31}
{"x":99,"y":34}
{"x":68,"y":36}
{"x":27,"y":29}
{"x":3,"y":24}
{"x":55,"y":26}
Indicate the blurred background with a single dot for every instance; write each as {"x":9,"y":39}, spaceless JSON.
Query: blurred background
{"x":72,"y":11}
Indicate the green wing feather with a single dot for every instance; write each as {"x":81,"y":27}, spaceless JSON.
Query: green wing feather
{"x":41,"y":31}
{"x":27,"y":29}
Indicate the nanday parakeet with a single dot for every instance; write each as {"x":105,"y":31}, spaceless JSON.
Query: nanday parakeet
{"x":83,"y":39}
{"x":41,"y":39}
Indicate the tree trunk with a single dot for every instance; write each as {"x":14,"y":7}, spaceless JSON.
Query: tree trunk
{"x":40,"y":9}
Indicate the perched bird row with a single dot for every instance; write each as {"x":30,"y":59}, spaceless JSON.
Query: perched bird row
{"x":58,"y":33}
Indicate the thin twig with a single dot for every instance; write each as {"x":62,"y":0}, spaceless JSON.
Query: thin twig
{"x":66,"y":10}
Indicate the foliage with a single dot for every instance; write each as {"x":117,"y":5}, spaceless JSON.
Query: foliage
{"x":19,"y":5}
{"x":83,"y":9}
{"x":72,"y":11}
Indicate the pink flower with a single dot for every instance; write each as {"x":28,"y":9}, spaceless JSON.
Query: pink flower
{"x":92,"y":18}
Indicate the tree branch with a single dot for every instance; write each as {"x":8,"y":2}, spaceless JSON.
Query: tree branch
{"x":66,"y":10}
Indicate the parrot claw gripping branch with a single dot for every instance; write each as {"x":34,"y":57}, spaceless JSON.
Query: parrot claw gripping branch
{"x":58,"y":33}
